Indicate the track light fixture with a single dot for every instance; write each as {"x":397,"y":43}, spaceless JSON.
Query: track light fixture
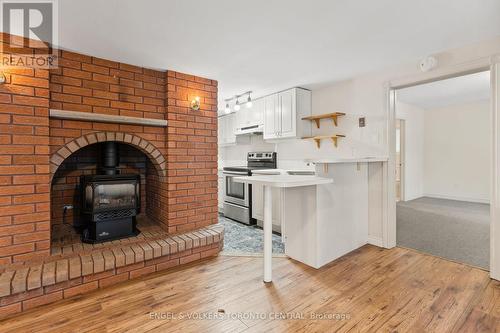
{"x":237,"y":104}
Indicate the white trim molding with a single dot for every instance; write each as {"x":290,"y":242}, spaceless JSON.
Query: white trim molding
{"x":106,"y":118}
{"x":375,"y":241}
{"x":457,"y":198}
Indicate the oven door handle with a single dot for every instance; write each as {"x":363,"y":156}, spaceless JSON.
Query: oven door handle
{"x":235,"y":173}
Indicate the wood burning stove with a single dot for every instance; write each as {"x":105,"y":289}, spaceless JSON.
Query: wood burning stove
{"x":110,"y":201}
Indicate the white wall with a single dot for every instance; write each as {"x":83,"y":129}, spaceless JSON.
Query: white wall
{"x":457,"y":152}
{"x":414,"y":149}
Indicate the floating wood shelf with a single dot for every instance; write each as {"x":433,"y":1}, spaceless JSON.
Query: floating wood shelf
{"x":318,"y":139}
{"x":316,"y":118}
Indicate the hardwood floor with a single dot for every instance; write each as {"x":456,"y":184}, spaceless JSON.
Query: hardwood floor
{"x":369,"y":290}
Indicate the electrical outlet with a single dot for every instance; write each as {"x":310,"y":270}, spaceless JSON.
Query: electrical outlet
{"x":362,"y":122}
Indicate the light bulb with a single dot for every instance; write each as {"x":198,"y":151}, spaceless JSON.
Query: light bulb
{"x":249,"y":102}
{"x":237,"y":106}
{"x":228,"y":109}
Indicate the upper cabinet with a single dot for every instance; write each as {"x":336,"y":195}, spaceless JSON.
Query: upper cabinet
{"x":283,"y":113}
{"x":271,"y":117}
{"x":226,"y":129}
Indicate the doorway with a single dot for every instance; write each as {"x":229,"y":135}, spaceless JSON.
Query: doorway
{"x":443,"y":198}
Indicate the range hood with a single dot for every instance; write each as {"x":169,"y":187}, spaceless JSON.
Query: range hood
{"x":250,"y":129}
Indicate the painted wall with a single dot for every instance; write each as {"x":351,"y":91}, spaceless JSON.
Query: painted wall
{"x":457,"y":152}
{"x":414,"y":149}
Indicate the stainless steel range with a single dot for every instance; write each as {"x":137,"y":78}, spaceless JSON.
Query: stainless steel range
{"x":238,"y":196}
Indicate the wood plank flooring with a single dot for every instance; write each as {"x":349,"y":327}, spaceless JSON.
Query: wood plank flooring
{"x":368,"y":290}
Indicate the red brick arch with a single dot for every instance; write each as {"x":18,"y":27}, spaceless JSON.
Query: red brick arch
{"x":143,"y":145}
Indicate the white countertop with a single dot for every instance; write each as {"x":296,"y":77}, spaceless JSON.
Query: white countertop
{"x":350,"y":160}
{"x":283,"y":180}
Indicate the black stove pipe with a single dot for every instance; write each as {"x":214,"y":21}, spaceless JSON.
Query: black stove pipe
{"x":109,"y":158}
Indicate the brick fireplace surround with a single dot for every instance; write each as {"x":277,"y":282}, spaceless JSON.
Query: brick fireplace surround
{"x":42,"y":157}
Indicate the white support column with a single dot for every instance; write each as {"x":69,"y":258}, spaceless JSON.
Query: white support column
{"x":268,"y":233}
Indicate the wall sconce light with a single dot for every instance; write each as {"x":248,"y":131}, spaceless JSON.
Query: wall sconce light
{"x":3,"y":79}
{"x":195,"y":104}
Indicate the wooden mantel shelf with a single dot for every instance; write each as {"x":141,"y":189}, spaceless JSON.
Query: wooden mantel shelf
{"x":316,"y":118}
{"x":106,"y":118}
{"x":318,"y":138}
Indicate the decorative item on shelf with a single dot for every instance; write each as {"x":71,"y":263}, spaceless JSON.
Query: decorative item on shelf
{"x":316,"y":118}
{"x":318,"y":139}
{"x":195,"y":103}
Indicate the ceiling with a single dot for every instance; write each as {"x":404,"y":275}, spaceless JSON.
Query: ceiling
{"x":459,"y":90}
{"x":268,"y":45}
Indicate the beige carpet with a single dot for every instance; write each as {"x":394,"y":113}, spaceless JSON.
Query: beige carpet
{"x":456,"y":230}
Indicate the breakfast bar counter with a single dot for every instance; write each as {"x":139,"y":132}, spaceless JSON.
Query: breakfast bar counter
{"x":279,"y":181}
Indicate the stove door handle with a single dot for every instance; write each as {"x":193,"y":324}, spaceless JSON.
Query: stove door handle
{"x":235,"y":173}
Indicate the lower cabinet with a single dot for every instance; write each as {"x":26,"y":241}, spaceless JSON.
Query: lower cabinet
{"x":258,"y":206}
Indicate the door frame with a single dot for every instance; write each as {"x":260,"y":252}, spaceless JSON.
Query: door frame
{"x":402,"y":158}
{"x":491,"y":63}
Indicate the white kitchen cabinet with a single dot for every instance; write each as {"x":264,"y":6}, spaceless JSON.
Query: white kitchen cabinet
{"x":271,"y":117}
{"x":258,"y":206}
{"x":283,"y":114}
{"x":288,"y":110}
{"x":226,"y":129}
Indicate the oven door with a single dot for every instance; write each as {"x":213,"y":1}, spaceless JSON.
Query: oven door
{"x":235,"y":192}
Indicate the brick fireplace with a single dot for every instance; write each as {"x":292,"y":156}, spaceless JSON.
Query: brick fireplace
{"x":51,"y":125}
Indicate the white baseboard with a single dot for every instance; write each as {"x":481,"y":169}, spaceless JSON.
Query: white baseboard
{"x":375,"y":241}
{"x":451,"y":197}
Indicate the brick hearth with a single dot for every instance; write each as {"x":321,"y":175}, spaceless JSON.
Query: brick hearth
{"x":41,"y":158}
{"x":78,"y":268}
